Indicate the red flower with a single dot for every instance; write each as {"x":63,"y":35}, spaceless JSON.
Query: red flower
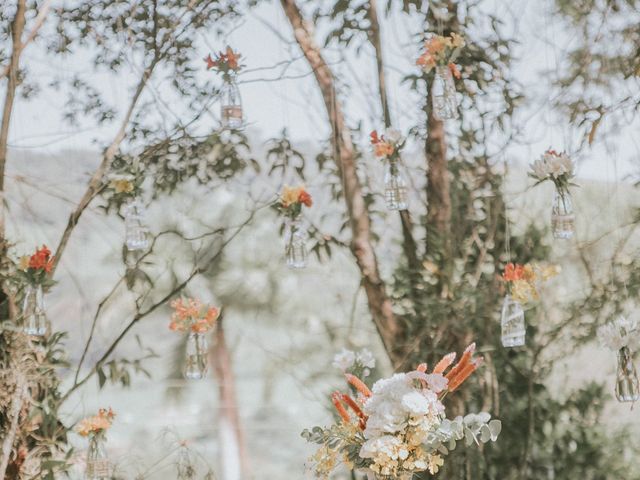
{"x":42,"y":260}
{"x":374,"y":137}
{"x":305,"y":198}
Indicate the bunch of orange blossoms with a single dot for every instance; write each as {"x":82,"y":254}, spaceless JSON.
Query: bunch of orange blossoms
{"x":227,"y":62}
{"x":522,"y":280}
{"x":292,"y":199}
{"x":441,"y":51}
{"x":387,"y":145}
{"x":96,"y":424}
{"x":192,"y":315}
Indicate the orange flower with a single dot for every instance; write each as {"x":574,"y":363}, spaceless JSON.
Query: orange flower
{"x":446,"y":361}
{"x":336,"y":398}
{"x":454,"y":70}
{"x":383,"y":149}
{"x":513,"y":272}
{"x":211,"y":63}
{"x":358,"y":384}
{"x":374,"y":137}
{"x":305,"y":198}
{"x":232,"y":58}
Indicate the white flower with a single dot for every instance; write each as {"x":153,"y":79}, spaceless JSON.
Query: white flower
{"x":415,"y":403}
{"x":620,"y":333}
{"x":552,"y":165}
{"x":344,"y":360}
{"x":387,"y":445}
{"x":392,"y":135}
{"x":365,"y":358}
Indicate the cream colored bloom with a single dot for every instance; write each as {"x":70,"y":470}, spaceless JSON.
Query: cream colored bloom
{"x":23,"y":263}
{"x":122,"y":185}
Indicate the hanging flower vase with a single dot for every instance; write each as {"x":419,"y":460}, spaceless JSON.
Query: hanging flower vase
{"x":627,"y":387}
{"x":136,"y":230}
{"x":295,"y":243}
{"x":231,"y":104}
{"x":395,"y":187}
{"x":512,"y":322}
{"x":443,"y":94}
{"x":195,"y":362}
{"x":33,"y":311}
{"x":562,"y":217}
{"x":97,"y":459}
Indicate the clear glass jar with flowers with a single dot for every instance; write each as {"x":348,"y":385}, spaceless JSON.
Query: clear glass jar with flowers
{"x":290,"y":204}
{"x":35,"y":271}
{"x":195,"y":318}
{"x":95,"y":428}
{"x":623,"y":337}
{"x":398,"y":427}
{"x":559,"y":169}
{"x":228,"y":64}
{"x":522,"y":283}
{"x":440,"y":53}
{"x":387,"y":147}
{"x":126,"y":191}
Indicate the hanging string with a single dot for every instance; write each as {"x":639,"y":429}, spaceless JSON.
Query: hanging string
{"x":507,"y":229}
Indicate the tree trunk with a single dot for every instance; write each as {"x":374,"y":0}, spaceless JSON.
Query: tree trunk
{"x":233,"y":451}
{"x":361,"y":245}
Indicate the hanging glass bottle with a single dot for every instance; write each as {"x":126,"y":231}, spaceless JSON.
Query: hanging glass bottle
{"x":136,"y":230}
{"x":295,"y":243}
{"x":627,"y":387}
{"x":395,"y":187}
{"x":231,"y":104}
{"x":33,"y":311}
{"x":97,"y":459}
{"x":443,"y":94}
{"x":512,"y":322}
{"x":195,"y":362}
{"x":562,"y":217}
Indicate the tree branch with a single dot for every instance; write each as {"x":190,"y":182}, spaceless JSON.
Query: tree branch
{"x":38,"y":22}
{"x":361,"y":246}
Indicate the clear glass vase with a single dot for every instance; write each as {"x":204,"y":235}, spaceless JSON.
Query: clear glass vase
{"x":295,"y":243}
{"x":136,"y":230}
{"x":34,"y":317}
{"x":562,"y":217}
{"x":512,"y":321}
{"x":97,"y":459}
{"x":231,"y":104}
{"x":195,"y":361}
{"x":443,"y":94}
{"x":627,"y":387}
{"x":395,"y":187}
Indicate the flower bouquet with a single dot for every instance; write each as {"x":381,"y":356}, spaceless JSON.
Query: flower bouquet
{"x":290,"y":204}
{"x":623,"y":336}
{"x":441,"y":53}
{"x":522,"y":283}
{"x":387,"y":147}
{"x":228,"y":64}
{"x":398,"y":427}
{"x":558,"y":168}
{"x":95,"y":428}
{"x":192,"y":316}
{"x":35,"y":271}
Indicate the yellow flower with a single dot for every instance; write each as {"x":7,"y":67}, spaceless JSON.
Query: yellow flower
{"x":435,"y":462}
{"x":122,"y":185}
{"x":549,"y":271}
{"x":290,"y":195}
{"x":23,"y":263}
{"x":457,"y":40}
